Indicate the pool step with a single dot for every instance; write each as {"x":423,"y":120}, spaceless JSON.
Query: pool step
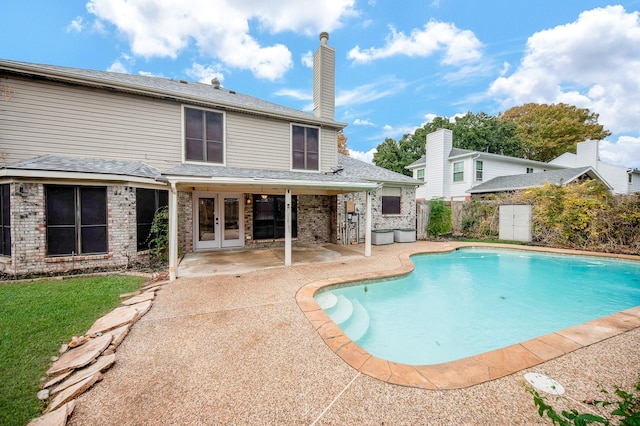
{"x":341,"y":311}
{"x":326,"y":300}
{"x":358,"y":323}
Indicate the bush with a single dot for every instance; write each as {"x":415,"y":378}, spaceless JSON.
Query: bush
{"x":624,"y":411}
{"x":439,"y":218}
{"x":583,"y":215}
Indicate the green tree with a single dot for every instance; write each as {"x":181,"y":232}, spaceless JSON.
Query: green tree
{"x":388,"y":156}
{"x":396,"y":155}
{"x":548,"y":131}
{"x":484,"y":132}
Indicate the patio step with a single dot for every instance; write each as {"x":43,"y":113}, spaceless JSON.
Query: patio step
{"x":326,"y":300}
{"x":341,"y":311}
{"x":358,"y":323}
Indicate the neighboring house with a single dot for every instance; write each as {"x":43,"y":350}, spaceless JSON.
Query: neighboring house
{"x":455,"y":174}
{"x":86,"y":158}
{"x":623,"y":180}
{"x":450,"y":172}
{"x":560,"y":177}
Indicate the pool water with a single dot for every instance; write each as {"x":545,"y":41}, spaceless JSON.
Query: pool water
{"x":475,"y":300}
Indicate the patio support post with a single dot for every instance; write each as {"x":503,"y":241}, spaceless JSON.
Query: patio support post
{"x":173,"y":232}
{"x":287,"y":227}
{"x":367,"y":227}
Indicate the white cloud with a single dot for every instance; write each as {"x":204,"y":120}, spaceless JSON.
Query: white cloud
{"x":75,"y":25}
{"x":220,"y":29}
{"x":299,"y":95}
{"x":624,"y":152}
{"x":359,"y":122}
{"x":591,"y":63}
{"x":118,"y":66}
{"x":459,"y":46}
{"x":307,"y":59}
{"x":363,"y":156}
{"x":204,"y":74}
{"x":370,"y":92}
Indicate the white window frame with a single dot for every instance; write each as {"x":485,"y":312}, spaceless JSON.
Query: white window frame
{"x":184,"y":136}
{"x":479,"y":171}
{"x":461,"y":172}
{"x":319,"y":148}
{"x":418,"y":173}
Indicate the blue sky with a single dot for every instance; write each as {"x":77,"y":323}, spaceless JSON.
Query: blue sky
{"x":398,"y":64}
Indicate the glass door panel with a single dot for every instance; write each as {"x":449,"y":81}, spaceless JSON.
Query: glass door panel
{"x":206,"y":222}
{"x":232,"y":222}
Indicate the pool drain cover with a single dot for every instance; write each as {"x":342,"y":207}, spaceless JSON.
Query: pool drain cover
{"x":544,"y":383}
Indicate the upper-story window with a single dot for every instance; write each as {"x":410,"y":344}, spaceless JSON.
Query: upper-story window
{"x":305,"y":148}
{"x":203,"y":135}
{"x":529,"y":169}
{"x":458,"y":171}
{"x":479,"y":170}
{"x":420,"y":174}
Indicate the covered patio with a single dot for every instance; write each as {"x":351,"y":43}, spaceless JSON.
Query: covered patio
{"x":199,"y":179}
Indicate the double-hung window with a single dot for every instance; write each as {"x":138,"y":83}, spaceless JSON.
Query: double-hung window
{"x":305,"y":148}
{"x":76,"y":219}
{"x":458,"y":171}
{"x":148,"y":201}
{"x":204,"y":135}
{"x":420,"y":174}
{"x":479,"y":170}
{"x":390,"y":200}
{"x":5,"y":221}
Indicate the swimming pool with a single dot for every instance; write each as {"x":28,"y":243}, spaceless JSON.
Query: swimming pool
{"x":475,"y":300}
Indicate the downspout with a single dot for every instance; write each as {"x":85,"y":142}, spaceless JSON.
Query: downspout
{"x":173,"y":232}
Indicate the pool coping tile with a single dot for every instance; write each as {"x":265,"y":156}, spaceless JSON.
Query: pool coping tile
{"x":468,"y":371}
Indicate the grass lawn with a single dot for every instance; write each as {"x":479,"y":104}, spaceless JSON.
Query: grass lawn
{"x":35,"y":319}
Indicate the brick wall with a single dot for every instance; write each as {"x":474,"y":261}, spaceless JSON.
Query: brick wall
{"x":28,"y":233}
{"x":349,"y":231}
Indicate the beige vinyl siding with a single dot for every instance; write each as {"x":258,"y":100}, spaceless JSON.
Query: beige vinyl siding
{"x":328,"y":150}
{"x":257,"y":142}
{"x":49,"y":118}
{"x":261,"y":143}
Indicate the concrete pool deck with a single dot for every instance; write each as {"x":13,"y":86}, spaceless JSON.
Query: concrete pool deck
{"x":236,"y":348}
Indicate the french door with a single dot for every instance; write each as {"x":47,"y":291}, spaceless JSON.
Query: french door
{"x":217,"y":220}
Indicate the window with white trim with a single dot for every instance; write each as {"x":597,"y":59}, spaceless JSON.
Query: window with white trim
{"x":420,"y":174}
{"x":458,"y":171}
{"x":203,"y":135}
{"x":479,"y":170}
{"x":305,"y":148}
{"x":391,"y":198}
{"x":529,"y":170}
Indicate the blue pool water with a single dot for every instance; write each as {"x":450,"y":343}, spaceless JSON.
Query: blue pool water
{"x":471,"y":301}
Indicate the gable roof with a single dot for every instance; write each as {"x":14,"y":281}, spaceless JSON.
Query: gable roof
{"x":460,"y":152}
{"x":164,"y":88}
{"x":530,"y":180}
{"x":350,"y":167}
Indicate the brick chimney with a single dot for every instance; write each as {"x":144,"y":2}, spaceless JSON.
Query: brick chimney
{"x":324,"y":79}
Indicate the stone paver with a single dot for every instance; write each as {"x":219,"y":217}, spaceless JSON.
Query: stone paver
{"x":80,"y":356}
{"x":56,"y":417}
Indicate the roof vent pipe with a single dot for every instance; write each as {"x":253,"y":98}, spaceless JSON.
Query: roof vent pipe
{"x":215,"y":83}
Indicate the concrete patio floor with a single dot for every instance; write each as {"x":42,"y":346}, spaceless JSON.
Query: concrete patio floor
{"x":235,"y":348}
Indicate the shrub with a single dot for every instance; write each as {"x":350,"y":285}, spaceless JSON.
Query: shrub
{"x":624,"y":411}
{"x":439,"y":218}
